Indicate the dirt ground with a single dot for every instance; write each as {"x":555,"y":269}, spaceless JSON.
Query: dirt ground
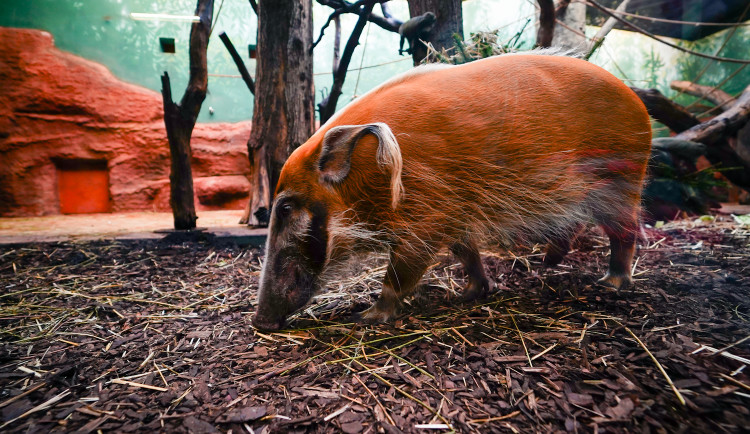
{"x":134,"y":336}
{"x":88,"y":226}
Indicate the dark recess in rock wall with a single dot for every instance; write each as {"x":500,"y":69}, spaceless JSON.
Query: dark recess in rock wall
{"x":57,"y":108}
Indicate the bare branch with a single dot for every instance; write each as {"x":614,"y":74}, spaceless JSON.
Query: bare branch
{"x":386,"y":22}
{"x":386,"y":8}
{"x":607,"y":27}
{"x":726,"y":124}
{"x":712,"y":133}
{"x":331,"y":17}
{"x":328,"y":106}
{"x":665,"y":110}
{"x":643,"y":31}
{"x":238,"y":61}
{"x":337,"y":45}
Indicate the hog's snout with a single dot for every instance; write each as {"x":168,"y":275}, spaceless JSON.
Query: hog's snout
{"x":285,"y":287}
{"x":267,"y":324}
{"x":271,"y":311}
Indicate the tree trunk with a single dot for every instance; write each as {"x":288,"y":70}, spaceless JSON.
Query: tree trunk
{"x":546,"y":25}
{"x":283,"y":116}
{"x":449,"y":22}
{"x":179,"y":119}
{"x":570,"y":25}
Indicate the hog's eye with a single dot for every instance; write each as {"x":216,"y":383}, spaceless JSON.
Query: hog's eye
{"x":284,"y":210}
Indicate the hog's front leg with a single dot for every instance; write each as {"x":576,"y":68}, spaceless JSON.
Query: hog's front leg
{"x":479,"y":286}
{"x":402,"y":275}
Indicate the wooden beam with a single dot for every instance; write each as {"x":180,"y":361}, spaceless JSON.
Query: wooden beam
{"x":722,"y":126}
{"x":712,"y":94}
{"x":607,"y":27}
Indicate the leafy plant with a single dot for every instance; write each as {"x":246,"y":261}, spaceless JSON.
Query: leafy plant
{"x":653,"y":66}
{"x":479,"y":46}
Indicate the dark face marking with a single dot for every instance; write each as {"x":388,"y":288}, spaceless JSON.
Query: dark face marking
{"x":295,"y":257}
{"x":316,"y":242}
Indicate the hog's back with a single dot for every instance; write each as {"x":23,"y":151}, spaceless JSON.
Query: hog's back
{"x":542,"y":140}
{"x":504,"y":104}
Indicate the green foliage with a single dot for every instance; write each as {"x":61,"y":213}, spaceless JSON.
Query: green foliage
{"x":743,"y":220}
{"x":731,"y":77}
{"x":689,"y":192}
{"x":653,"y":66}
{"x":479,"y":46}
{"x":701,"y":180}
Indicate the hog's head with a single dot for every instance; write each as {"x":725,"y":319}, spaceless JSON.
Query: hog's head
{"x":316,"y":185}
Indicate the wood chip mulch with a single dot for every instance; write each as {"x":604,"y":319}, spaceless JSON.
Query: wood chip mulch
{"x":153,"y":336}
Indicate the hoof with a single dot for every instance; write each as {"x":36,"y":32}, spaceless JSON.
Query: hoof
{"x":374,"y":315}
{"x":552,"y":259}
{"x":476,"y":291}
{"x":615,"y":281}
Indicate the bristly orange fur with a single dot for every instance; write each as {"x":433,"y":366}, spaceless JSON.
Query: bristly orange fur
{"x":502,"y":150}
{"x":505,"y":149}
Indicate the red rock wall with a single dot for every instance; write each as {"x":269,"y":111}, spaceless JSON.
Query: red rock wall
{"x":56,"y":106}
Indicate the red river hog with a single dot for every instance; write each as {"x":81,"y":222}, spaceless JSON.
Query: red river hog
{"x":505,"y":150}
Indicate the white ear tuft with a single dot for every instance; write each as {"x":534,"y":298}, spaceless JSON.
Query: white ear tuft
{"x":389,"y":156}
{"x":338,"y":145}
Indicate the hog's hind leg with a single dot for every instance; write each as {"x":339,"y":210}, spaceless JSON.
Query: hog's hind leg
{"x":468,"y":254}
{"x":615,"y":206}
{"x":401,"y":277}
{"x":622,"y":238}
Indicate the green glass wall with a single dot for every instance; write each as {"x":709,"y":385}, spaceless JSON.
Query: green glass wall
{"x":103,"y":31}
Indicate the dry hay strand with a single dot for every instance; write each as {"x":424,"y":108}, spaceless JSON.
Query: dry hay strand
{"x":93,"y":324}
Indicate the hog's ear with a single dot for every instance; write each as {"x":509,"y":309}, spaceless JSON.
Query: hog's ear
{"x":338,"y":145}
